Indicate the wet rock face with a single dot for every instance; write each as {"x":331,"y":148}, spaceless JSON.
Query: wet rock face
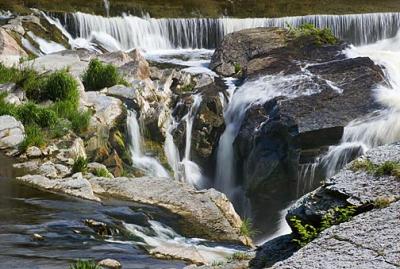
{"x":208,"y":126}
{"x":276,"y":136}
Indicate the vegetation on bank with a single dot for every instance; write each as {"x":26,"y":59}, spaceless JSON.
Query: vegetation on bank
{"x":52,"y":108}
{"x":99,"y":76}
{"x":84,"y":264}
{"x":208,"y":8}
{"x":388,"y":168}
{"x":305,"y":233}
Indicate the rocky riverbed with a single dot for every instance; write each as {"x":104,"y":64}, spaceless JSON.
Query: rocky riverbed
{"x":202,"y":135}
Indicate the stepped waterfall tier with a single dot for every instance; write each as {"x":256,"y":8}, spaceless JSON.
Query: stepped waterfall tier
{"x":149,"y":33}
{"x":199,"y":142}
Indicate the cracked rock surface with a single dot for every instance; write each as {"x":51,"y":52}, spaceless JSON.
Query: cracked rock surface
{"x":370,"y":240}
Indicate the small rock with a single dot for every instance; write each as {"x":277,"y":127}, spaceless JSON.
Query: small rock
{"x":12,"y":132}
{"x":110,"y":263}
{"x":33,"y":152}
{"x":77,"y":149}
{"x":100,"y":228}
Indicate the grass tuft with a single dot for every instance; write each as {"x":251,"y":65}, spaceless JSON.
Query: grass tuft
{"x":80,"y":165}
{"x":99,"y":76}
{"x":82,"y":264}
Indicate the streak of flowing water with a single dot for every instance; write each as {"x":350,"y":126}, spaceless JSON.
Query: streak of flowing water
{"x":191,"y":172}
{"x":251,"y":93}
{"x":107,"y":7}
{"x":381,"y":127}
{"x":159,"y":237}
{"x":149,"y":165}
{"x":151,"y":34}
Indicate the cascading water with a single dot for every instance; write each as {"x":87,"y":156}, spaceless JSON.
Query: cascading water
{"x":156,"y":34}
{"x":107,"y":7}
{"x":184,"y":169}
{"x":381,"y":127}
{"x":149,"y":165}
{"x":251,"y":93}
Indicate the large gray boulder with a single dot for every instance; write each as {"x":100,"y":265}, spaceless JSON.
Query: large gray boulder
{"x":12,"y":132}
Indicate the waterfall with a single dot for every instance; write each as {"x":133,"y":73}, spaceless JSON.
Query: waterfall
{"x":157,"y":34}
{"x":150,"y":166}
{"x":381,"y":127}
{"x":107,"y":7}
{"x":251,"y":93}
{"x":184,"y":169}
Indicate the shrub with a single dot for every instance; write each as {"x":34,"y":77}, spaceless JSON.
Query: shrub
{"x":80,"y":122}
{"x":388,"y":168}
{"x":32,"y":83}
{"x":305,"y":232}
{"x":84,"y":265}
{"x":321,"y":36}
{"x":80,"y":165}
{"x":99,"y":76}
{"x":8,"y":74}
{"x":61,"y":86}
{"x":34,"y":137}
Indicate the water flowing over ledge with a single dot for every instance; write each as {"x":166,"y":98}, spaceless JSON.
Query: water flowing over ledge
{"x":149,"y":33}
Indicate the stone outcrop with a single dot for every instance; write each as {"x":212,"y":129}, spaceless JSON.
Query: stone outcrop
{"x":325,"y":91}
{"x":370,"y":240}
{"x":12,"y":132}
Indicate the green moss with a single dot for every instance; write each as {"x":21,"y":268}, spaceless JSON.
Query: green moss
{"x":99,"y":76}
{"x":61,"y":86}
{"x":238,"y":68}
{"x":382,"y":202}
{"x":362,"y":164}
{"x":305,"y":233}
{"x":388,"y":168}
{"x":157,"y":149}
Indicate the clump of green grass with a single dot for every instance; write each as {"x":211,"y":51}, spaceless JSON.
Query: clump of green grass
{"x":61,"y":86}
{"x":99,"y":76}
{"x":321,"y":36}
{"x":382,"y":202}
{"x":34,"y":136}
{"x":82,"y":264}
{"x":388,"y":168}
{"x":239,"y":256}
{"x":102,"y":172}
{"x":80,"y":165}
{"x":246,"y":229}
{"x":69,"y":110}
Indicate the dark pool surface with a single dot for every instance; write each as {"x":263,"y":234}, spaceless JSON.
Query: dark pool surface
{"x":25,"y":211}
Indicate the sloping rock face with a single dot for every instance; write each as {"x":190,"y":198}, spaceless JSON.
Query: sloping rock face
{"x":370,"y":240}
{"x":203,"y":214}
{"x":325,"y":92}
{"x":10,"y":50}
{"x":208,"y":125}
{"x":207,"y":214}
